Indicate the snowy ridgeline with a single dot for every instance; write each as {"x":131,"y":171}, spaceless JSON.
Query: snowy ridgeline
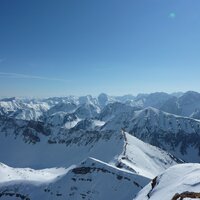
{"x":33,"y":141}
{"x":134,"y":165}
{"x":92,"y":179}
{"x":168,"y":121}
{"x":80,"y":151}
{"x":184,"y":104}
{"x":126,"y":152}
{"x":96,"y":180}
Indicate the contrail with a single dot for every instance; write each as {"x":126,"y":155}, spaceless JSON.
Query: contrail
{"x":26,"y":76}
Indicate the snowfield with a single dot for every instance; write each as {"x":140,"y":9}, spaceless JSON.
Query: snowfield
{"x":175,"y":180}
{"x":144,"y":158}
{"x":92,"y":179}
{"x":12,"y":176}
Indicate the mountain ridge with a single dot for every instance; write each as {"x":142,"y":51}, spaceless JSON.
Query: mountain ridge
{"x":101,"y":138}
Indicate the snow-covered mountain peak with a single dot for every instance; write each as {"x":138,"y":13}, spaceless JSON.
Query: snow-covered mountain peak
{"x":189,"y":97}
{"x":103,"y":99}
{"x":176,"y":182}
{"x":114,"y":109}
{"x":88,"y":100}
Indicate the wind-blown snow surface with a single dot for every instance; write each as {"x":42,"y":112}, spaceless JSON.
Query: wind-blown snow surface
{"x":91,"y":180}
{"x":176,"y":179}
{"x":143,"y":158}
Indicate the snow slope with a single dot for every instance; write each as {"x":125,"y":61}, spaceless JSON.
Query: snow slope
{"x":11,"y":175}
{"x":144,"y":158}
{"x":91,"y":180}
{"x":177,"y":179}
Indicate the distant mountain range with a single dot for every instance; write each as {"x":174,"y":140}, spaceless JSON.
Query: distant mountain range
{"x":95,"y":140}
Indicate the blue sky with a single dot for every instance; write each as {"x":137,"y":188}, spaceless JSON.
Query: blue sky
{"x":65,"y":47}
